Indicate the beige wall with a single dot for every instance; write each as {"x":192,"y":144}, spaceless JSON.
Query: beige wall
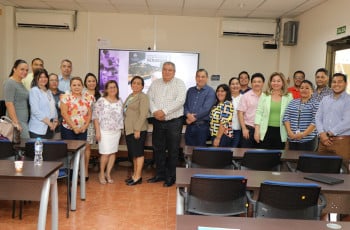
{"x":317,"y":27}
{"x":226,"y":56}
{"x":219,"y":55}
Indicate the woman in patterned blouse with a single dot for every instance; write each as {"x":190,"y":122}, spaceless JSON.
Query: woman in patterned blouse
{"x":221,"y":118}
{"x":108,"y":121}
{"x":76,"y":111}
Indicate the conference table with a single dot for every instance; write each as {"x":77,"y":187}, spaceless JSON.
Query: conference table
{"x":192,"y":222}
{"x":32,"y":183}
{"x":77,"y":149}
{"x":337,"y":195}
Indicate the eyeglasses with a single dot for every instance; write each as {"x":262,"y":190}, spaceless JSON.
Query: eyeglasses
{"x":53,"y":80}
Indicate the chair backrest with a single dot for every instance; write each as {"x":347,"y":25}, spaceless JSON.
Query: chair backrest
{"x":288,"y":200}
{"x":319,"y":163}
{"x":52,"y":150}
{"x":6,"y":149}
{"x":262,"y":159}
{"x":217,"y":158}
{"x":217,"y":195}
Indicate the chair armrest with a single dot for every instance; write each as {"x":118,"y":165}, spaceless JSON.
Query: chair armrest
{"x":290,"y":167}
{"x":251,"y":201}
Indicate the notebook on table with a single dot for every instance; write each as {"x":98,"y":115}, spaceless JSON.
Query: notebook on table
{"x":324,"y":179}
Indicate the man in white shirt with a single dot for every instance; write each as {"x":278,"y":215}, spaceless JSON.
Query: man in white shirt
{"x":65,"y":76}
{"x":167,"y":98}
{"x":37,"y":63}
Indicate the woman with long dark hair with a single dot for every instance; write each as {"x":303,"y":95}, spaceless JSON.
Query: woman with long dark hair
{"x":16,"y":97}
{"x":221,"y":118}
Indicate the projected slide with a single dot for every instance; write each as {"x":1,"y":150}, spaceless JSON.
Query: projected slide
{"x":122,"y":65}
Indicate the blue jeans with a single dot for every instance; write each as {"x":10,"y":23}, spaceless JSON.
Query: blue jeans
{"x":166,"y":143}
{"x":197,"y":134}
{"x":68,"y":134}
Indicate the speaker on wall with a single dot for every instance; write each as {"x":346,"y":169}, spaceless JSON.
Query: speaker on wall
{"x":290,"y":33}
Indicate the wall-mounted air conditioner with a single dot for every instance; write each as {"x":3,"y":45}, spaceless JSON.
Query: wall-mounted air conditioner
{"x":48,"y":19}
{"x":248,"y":27}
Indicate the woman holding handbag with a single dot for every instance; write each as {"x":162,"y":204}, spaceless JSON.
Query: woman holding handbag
{"x":16,"y":97}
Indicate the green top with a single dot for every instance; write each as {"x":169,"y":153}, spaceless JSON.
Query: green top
{"x":274,"y":116}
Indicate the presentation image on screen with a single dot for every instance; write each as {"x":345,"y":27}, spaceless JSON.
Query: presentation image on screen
{"x":123,"y":65}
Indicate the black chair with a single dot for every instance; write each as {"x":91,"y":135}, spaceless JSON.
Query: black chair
{"x":6,"y":150}
{"x":312,"y":163}
{"x":53,"y":151}
{"x":288,"y":200}
{"x":217,"y":158}
{"x":219,"y":195}
{"x":261,"y":159}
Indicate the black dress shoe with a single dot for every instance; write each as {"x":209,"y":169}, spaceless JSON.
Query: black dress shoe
{"x":169,"y":182}
{"x":155,"y":179}
{"x":131,"y":183}
{"x":86,"y":178}
{"x":128,"y":180}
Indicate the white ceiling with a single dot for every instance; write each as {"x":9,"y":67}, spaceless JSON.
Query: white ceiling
{"x":207,"y":8}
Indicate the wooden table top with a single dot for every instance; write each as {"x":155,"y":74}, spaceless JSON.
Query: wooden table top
{"x":191,"y":222}
{"x":8,"y":171}
{"x":255,"y":178}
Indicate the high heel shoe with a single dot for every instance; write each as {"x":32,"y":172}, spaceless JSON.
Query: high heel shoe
{"x":128,"y":180}
{"x":102,"y":180}
{"x":131,"y":183}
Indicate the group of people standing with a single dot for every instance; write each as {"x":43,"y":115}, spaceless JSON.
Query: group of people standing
{"x":239,"y":116}
{"x":235,"y":115}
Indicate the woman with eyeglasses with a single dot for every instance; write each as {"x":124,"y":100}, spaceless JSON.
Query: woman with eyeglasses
{"x":108,"y":121}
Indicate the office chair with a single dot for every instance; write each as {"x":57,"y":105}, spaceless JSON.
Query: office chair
{"x":288,"y":200}
{"x":7,"y":151}
{"x":53,"y":151}
{"x":312,"y":163}
{"x":261,"y":159}
{"x":217,"y":158}
{"x":219,"y":195}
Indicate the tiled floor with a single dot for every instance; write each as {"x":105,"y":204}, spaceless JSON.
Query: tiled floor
{"x":107,"y":207}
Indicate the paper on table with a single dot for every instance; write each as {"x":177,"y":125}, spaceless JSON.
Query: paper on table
{"x":214,"y":228}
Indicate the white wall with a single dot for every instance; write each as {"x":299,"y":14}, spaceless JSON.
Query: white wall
{"x":317,"y":27}
{"x":226,"y":56}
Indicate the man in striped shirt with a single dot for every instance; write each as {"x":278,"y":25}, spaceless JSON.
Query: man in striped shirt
{"x":167,"y":98}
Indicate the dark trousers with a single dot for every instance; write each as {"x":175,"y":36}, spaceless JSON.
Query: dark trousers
{"x":307,"y":146}
{"x":272,"y":139}
{"x":250,"y":142}
{"x":68,"y":134}
{"x":197,"y":134}
{"x":166,"y":143}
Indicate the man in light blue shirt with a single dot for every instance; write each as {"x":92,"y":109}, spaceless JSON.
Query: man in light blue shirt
{"x":65,"y":76}
{"x":333,"y":120}
{"x":199,"y":101}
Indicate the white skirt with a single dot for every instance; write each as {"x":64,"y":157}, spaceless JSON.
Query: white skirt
{"x":109,"y":142}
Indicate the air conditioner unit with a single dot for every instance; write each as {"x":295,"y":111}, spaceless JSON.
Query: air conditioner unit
{"x":48,"y":19}
{"x":248,"y":27}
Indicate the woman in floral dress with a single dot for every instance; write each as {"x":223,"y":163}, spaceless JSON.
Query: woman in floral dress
{"x":76,"y":111}
{"x":108,"y":121}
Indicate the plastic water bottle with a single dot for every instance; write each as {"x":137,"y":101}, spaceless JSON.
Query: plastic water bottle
{"x":38,"y":150}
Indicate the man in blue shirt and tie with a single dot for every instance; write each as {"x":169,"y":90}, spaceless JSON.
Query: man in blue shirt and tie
{"x":199,"y":101}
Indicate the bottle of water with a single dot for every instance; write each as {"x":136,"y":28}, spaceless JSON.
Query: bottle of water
{"x":38,"y":150}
